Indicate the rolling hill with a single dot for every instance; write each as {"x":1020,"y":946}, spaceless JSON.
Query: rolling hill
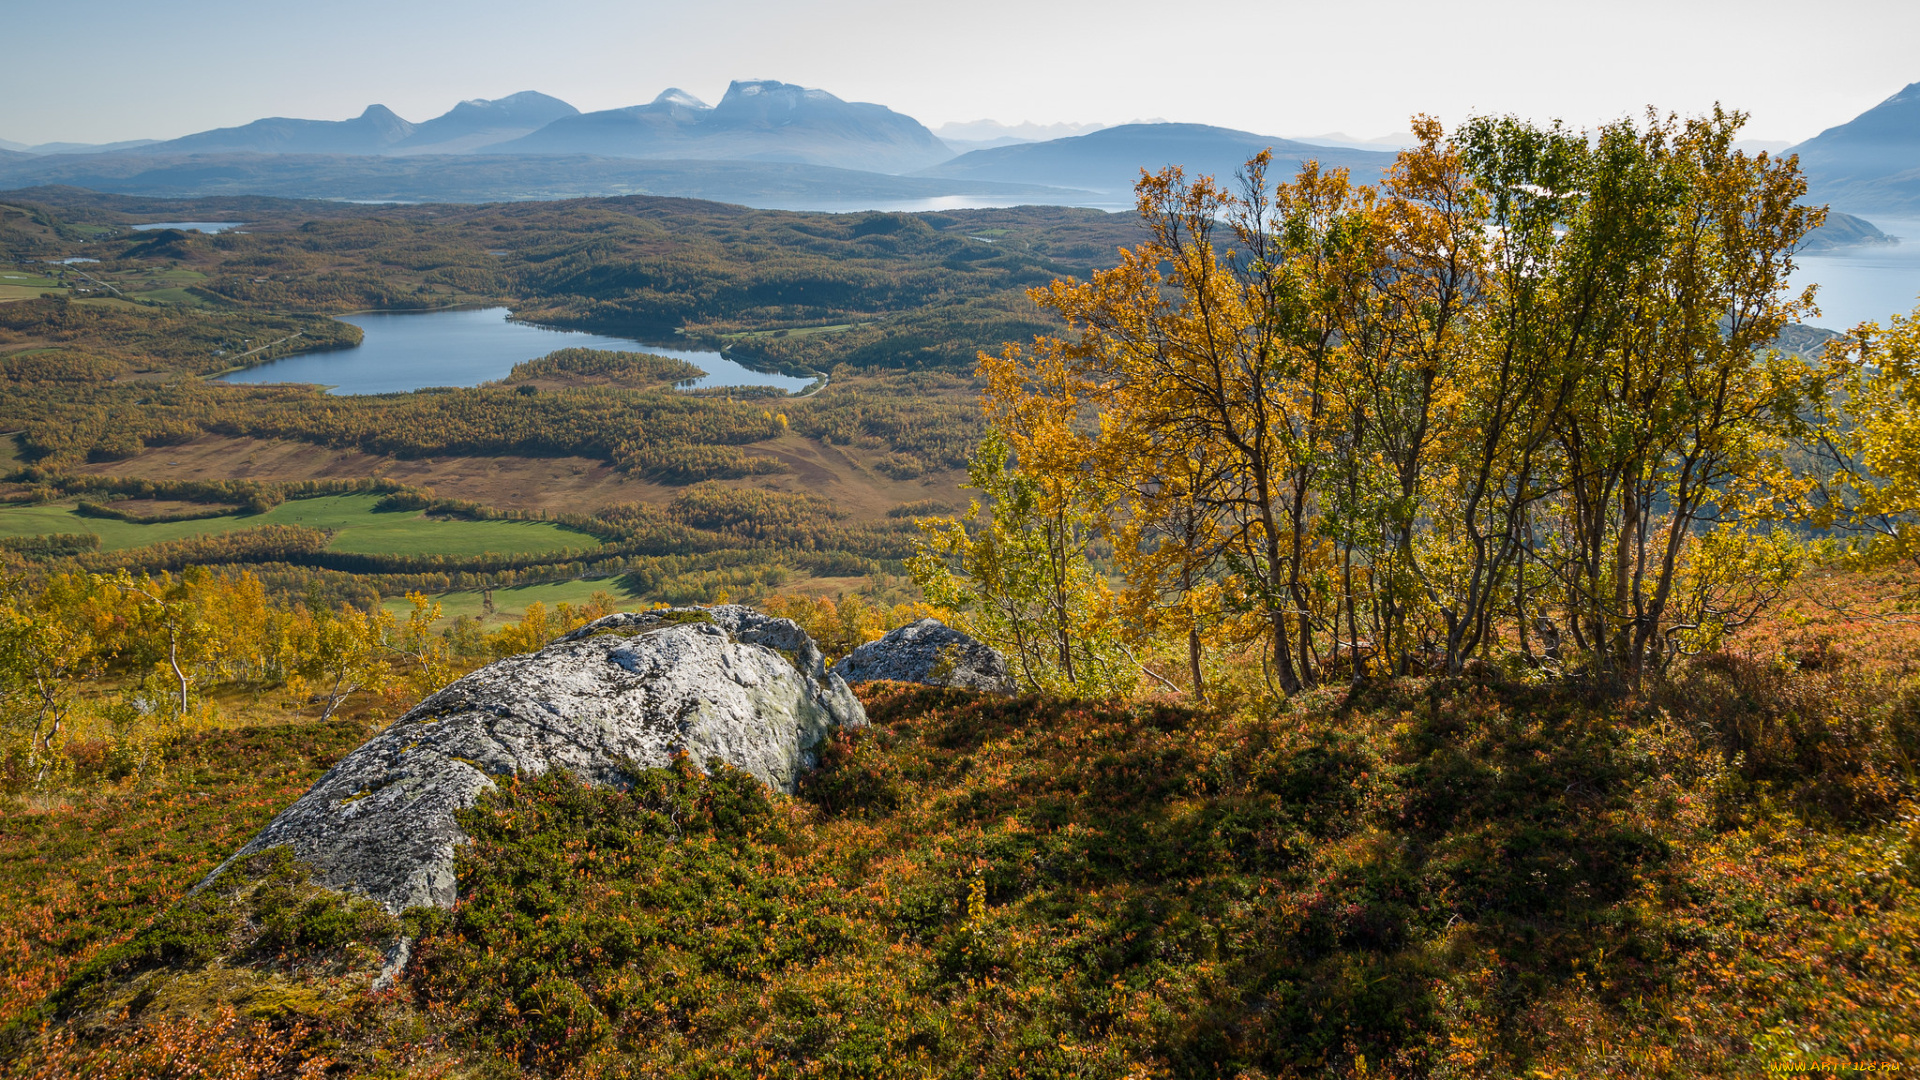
{"x":497,"y":178}
{"x":1843,"y":231}
{"x":1110,"y":160}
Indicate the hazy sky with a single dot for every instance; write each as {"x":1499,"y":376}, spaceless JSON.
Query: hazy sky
{"x":116,"y":69}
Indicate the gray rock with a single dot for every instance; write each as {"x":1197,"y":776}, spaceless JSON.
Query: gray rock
{"x":932,"y":653}
{"x":634,"y":688}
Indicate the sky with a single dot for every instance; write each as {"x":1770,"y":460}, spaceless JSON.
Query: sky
{"x":114,"y":69}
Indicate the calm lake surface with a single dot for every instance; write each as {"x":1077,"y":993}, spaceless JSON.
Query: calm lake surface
{"x":931,"y":204}
{"x":208,"y":227}
{"x":410,"y":350}
{"x":1871,"y":281}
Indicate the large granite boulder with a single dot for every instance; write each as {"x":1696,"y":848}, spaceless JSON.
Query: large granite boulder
{"x":636,"y":688}
{"x":929,"y":652}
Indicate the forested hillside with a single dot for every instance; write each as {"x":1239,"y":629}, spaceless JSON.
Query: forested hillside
{"x":921,"y":288}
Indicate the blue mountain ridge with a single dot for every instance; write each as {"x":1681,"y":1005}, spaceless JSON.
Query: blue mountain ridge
{"x":1110,"y":160}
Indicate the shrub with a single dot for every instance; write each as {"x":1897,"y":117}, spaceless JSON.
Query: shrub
{"x":1835,"y":741}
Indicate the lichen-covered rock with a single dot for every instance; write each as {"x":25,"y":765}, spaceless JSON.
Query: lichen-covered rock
{"x":633,"y":689}
{"x":929,"y":652}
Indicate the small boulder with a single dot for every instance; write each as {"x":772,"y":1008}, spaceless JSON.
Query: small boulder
{"x":932,"y":653}
{"x":631,"y":689}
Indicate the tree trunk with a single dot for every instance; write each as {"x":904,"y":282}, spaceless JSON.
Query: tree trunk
{"x":173,"y":661}
{"x":1193,"y":665}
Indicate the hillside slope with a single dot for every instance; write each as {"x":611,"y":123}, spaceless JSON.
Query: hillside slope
{"x":1110,"y":160}
{"x":369,"y":133}
{"x":1872,"y":162}
{"x":472,"y":125}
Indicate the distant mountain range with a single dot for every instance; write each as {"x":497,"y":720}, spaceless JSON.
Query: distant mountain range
{"x":782,"y":146}
{"x":755,"y":121}
{"x":790,"y":146}
{"x":761,"y":120}
{"x":74,"y":147}
{"x":1872,"y":162}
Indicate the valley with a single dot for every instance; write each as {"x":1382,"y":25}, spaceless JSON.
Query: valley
{"x":149,"y":381}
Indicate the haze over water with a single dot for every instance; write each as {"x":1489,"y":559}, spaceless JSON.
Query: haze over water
{"x":1867,"y":282}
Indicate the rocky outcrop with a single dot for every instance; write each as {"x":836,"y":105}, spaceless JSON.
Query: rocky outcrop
{"x":932,"y":653}
{"x":631,"y":689}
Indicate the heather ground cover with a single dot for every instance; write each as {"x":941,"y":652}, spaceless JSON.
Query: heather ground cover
{"x":1427,"y":878}
{"x":84,"y":869}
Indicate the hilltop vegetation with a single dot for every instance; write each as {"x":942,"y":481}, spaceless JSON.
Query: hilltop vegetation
{"x":1428,"y":880}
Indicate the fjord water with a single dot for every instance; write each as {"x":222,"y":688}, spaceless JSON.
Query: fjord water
{"x":208,"y":227}
{"x":1866,"y":281}
{"x":410,"y":350}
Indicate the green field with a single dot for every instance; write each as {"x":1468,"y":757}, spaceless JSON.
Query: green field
{"x":19,"y":279}
{"x":358,"y":527}
{"x":795,"y":331}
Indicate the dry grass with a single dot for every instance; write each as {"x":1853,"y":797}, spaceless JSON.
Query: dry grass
{"x":1836,"y":620}
{"x":559,"y":484}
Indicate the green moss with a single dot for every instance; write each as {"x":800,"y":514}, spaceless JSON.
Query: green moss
{"x":682,"y":616}
{"x":262,"y":915}
{"x":621,"y":632}
{"x":949,"y":660}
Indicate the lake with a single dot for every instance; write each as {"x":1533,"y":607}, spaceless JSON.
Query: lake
{"x":208,"y":227}
{"x":1870,"y":281}
{"x":410,"y":350}
{"x":930,"y":204}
